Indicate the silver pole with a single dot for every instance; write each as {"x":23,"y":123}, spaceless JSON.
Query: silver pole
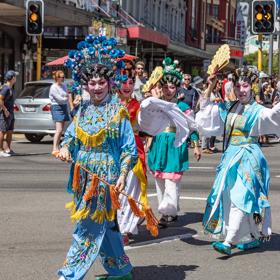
{"x":278,"y":53}
{"x":270,"y":60}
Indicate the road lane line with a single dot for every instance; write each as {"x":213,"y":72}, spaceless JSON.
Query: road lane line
{"x":161,"y":240}
{"x":202,"y":167}
{"x":182,"y":197}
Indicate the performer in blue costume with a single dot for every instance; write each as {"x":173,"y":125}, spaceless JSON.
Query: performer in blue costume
{"x":238,"y":202}
{"x":167,"y":162}
{"x":101,"y":140}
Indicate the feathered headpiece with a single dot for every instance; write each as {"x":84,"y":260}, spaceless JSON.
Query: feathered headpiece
{"x":171,"y":73}
{"x":95,"y":56}
{"x":248,"y":74}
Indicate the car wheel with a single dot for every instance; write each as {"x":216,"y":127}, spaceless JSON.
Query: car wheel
{"x":34,"y":138}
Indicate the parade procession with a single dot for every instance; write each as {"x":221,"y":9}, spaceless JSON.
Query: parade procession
{"x":158,"y":164}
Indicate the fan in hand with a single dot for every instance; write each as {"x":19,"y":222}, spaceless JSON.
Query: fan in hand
{"x":154,"y":78}
{"x":220,"y":60}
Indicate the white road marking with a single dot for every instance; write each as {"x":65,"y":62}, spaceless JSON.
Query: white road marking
{"x":160,"y":240}
{"x":192,"y":198}
{"x":202,"y":167}
{"x":182,"y":197}
{"x":277,"y":176}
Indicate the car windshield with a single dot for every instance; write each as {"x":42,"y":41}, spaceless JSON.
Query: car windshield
{"x":36,"y":91}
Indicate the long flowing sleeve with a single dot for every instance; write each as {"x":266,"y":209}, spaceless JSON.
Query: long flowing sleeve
{"x":268,"y":122}
{"x":128,"y":155}
{"x":155,"y":115}
{"x":210,"y":119}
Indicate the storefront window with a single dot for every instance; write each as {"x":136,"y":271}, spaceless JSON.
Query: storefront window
{"x":6,"y":54}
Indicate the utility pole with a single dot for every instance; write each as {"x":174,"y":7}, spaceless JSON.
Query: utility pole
{"x":39,"y":58}
{"x":260,"y":54}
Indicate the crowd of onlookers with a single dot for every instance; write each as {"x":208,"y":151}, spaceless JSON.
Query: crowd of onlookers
{"x":265,"y":89}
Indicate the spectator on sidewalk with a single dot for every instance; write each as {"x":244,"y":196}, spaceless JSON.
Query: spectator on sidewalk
{"x":59,"y":107}
{"x":187,"y":93}
{"x":7,"y":119}
{"x":140,"y":80}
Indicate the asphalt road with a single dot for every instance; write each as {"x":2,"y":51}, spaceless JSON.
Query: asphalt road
{"x":35,"y":229}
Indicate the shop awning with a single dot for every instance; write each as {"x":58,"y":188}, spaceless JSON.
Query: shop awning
{"x":184,"y":50}
{"x":60,"y":61}
{"x":147,"y":34}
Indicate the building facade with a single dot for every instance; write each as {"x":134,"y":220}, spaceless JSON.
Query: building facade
{"x":178,"y":25}
{"x":221,"y":29}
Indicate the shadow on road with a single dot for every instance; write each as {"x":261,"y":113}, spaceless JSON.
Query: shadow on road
{"x":29,"y":154}
{"x":175,"y":229}
{"x":197,"y":242}
{"x":47,"y":142}
{"x":162,"y":272}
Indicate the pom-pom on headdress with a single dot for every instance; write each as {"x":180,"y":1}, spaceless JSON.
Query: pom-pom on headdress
{"x":95,"y":56}
{"x":248,"y":74}
{"x":171,"y":73}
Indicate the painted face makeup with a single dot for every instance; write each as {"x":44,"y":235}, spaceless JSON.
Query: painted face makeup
{"x":127,"y":89}
{"x":98,"y":89}
{"x":169,"y":91}
{"x":243,"y":91}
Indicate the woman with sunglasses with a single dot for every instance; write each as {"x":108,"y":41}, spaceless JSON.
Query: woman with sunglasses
{"x":59,"y":107}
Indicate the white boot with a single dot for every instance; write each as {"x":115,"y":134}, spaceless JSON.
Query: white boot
{"x":61,"y":278}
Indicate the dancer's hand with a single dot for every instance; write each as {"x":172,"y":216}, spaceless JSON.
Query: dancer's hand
{"x":197,"y":153}
{"x":77,"y":100}
{"x":120,"y":184}
{"x":64,"y":154}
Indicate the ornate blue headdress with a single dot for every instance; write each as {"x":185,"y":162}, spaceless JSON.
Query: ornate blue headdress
{"x":95,"y":56}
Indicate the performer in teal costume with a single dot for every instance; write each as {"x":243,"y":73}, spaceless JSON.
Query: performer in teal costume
{"x":101,"y":140}
{"x":167,"y":162}
{"x":240,"y":192}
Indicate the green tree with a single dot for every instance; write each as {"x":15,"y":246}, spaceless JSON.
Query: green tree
{"x":252,"y":59}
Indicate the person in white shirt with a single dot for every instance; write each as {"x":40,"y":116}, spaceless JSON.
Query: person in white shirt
{"x":59,"y":107}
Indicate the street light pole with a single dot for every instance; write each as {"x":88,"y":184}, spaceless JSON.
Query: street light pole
{"x":260,"y":54}
{"x":39,"y":58}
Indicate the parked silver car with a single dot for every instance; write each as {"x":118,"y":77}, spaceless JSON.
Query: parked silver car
{"x":33,"y":111}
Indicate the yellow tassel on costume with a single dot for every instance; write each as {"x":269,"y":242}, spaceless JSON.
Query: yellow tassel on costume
{"x":98,"y":138}
{"x":80,"y":214}
{"x":71,"y":206}
{"x":114,"y":198}
{"x":110,"y":215}
{"x":98,"y":216}
{"x":92,"y":191}
{"x":152,"y":223}
{"x":76,"y":178}
{"x":134,"y":207}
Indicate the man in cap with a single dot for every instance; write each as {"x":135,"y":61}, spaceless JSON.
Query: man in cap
{"x":7,"y":119}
